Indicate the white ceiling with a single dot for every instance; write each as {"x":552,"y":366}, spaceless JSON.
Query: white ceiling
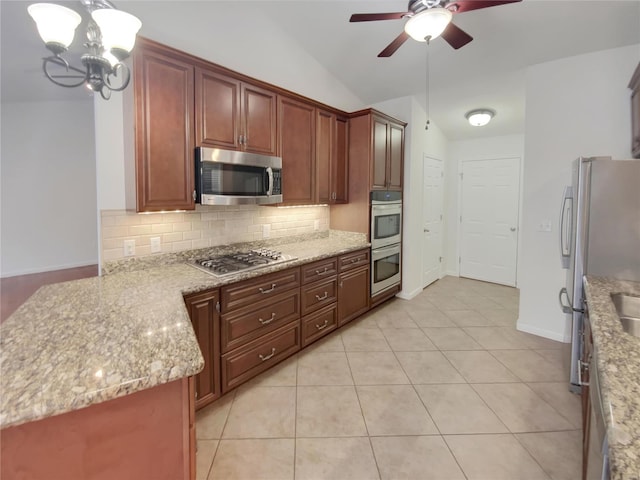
{"x":488,"y":72}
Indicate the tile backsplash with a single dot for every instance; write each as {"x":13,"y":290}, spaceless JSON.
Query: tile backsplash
{"x":207,"y":226}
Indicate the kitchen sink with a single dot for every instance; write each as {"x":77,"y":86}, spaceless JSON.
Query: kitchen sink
{"x":628,"y":308}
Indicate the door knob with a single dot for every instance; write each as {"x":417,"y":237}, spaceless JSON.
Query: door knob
{"x":513,"y":229}
{"x":426,"y":230}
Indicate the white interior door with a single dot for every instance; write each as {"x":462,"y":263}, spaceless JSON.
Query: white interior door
{"x":489,"y":220}
{"x":432,"y":199}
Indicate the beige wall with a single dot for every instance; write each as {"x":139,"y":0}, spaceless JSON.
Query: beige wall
{"x":206,"y":227}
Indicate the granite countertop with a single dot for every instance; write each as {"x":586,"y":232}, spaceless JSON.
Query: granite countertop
{"x":618,"y":364}
{"x":78,"y":343}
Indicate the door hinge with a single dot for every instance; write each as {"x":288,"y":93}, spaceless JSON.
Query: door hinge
{"x":441,"y":217}
{"x":440,"y":258}
{"x":441,"y":174}
{"x":461,"y":176}
{"x":459,"y":259}
{"x":461,"y":218}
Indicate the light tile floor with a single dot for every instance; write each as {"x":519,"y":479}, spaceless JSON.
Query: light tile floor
{"x":442,"y":387}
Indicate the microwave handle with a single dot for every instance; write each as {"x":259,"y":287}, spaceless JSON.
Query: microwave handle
{"x":270,"y":187}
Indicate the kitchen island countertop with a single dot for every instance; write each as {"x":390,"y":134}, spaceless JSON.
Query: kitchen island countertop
{"x":618,"y":364}
{"x":78,"y":343}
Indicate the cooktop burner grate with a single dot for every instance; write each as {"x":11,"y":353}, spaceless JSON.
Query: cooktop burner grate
{"x":242,"y":261}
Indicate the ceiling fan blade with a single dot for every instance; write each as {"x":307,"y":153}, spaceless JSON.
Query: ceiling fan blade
{"x":369,"y":17}
{"x":460,"y":6}
{"x":395,"y":45}
{"x":455,"y":36}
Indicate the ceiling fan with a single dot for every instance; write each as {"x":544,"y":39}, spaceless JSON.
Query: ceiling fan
{"x":428,"y":19}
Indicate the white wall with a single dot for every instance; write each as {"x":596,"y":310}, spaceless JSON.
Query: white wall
{"x":577,"y":106}
{"x":459,"y":151}
{"x":48,"y":198}
{"x":418,"y":142}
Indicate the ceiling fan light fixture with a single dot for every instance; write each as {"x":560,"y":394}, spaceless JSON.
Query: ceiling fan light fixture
{"x":480,"y":117}
{"x":428,"y":24}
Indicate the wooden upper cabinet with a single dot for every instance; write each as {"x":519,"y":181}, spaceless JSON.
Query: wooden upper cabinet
{"x":340,"y":164}
{"x":234,"y":115}
{"x":387,"y":154}
{"x":164,"y":111}
{"x":217,"y":110}
{"x":331,"y":158}
{"x":297,"y":125}
{"x":259,"y":120}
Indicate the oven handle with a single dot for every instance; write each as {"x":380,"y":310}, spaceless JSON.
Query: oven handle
{"x":378,"y":253}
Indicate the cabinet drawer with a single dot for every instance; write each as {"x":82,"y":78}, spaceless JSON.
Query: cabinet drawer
{"x":319,"y":294}
{"x":246,"y":362}
{"x":319,"y":270}
{"x":354,"y":260}
{"x":257,"y":289}
{"x":318,"y":324}
{"x":251,"y":322}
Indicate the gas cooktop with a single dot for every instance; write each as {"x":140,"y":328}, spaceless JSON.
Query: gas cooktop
{"x":240,"y":262}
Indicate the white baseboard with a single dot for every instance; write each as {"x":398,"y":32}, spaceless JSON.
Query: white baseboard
{"x":451,"y":273}
{"x":558,"y":337}
{"x":409,"y":295}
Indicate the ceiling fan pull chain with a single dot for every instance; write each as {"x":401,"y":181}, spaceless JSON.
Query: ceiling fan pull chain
{"x":426,"y":127}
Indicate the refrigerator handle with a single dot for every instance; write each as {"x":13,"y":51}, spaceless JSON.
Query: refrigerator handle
{"x":566,"y":308}
{"x":566,"y":225}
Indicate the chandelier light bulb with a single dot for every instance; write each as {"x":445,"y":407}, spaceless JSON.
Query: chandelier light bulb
{"x":118,"y":28}
{"x":56,"y":24}
{"x":428,"y":23}
{"x":480,"y":117}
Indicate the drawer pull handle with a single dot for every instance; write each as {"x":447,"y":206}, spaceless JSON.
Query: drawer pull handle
{"x":268,"y":320}
{"x":273,"y":287}
{"x":324,"y":297}
{"x":323,"y":326}
{"x":318,"y":272}
{"x":355,"y":260}
{"x":264,"y":358}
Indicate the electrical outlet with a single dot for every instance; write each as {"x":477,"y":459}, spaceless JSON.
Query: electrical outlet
{"x":316,"y":224}
{"x":266,"y":230}
{"x":129,"y":248}
{"x":155,"y":245}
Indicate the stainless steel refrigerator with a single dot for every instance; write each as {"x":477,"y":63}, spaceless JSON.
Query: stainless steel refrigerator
{"x":599,"y":235}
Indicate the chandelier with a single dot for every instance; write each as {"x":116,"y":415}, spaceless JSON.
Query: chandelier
{"x":111,"y":35}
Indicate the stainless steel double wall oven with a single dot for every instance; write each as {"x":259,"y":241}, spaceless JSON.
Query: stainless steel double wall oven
{"x":386,"y":240}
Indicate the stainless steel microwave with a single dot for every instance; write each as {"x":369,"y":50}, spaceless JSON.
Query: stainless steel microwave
{"x":227,"y":177}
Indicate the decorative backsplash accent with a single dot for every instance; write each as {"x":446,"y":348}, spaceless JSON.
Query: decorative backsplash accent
{"x":207,"y":226}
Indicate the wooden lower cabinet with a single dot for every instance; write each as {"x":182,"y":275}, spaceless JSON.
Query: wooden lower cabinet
{"x":353,"y":294}
{"x":247,"y":327}
{"x":204,"y":310}
{"x":257,"y":356}
{"x":318,"y":324}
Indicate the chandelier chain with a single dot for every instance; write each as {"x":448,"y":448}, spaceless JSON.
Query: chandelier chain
{"x":428,"y":73}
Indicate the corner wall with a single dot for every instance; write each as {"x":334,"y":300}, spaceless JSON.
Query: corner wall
{"x":48,"y":187}
{"x":578,"y":106}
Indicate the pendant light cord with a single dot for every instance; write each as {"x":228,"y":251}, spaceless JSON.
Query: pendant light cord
{"x":426,"y":127}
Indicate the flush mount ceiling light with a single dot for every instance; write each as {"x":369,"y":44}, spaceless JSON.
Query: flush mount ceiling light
{"x":428,"y":24}
{"x":111,"y":35}
{"x":480,"y":117}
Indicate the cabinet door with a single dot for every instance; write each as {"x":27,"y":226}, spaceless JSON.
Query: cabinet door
{"x":259,"y":120}
{"x":325,"y":122}
{"x":203,"y":311}
{"x":217,"y":110}
{"x":353,"y":294}
{"x":297,"y":129}
{"x":380,"y":150}
{"x":396,"y":154}
{"x":340,"y":162}
{"x":164,"y":131}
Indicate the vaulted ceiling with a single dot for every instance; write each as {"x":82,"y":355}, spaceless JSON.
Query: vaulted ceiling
{"x":488,"y":72}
